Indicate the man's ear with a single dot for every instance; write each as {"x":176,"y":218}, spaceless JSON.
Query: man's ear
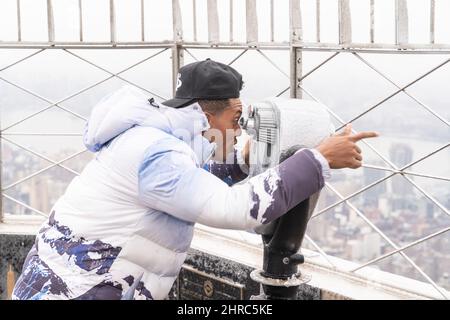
{"x":210,"y":118}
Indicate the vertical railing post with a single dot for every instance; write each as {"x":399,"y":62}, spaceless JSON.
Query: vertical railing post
{"x":213,"y":22}
{"x":372,"y":21}
{"x":432,"y":20}
{"x":231,"y":21}
{"x":19,"y":23}
{"x":142,"y":7}
{"x":251,"y":21}
{"x":50,"y":22}
{"x":295,"y":31}
{"x":194,"y":21}
{"x":318,"y":20}
{"x":177,"y":49}
{"x":112,"y":21}
{"x":345,"y":22}
{"x":80,"y":19}
{"x":401,"y":22}
{"x":272,"y":21}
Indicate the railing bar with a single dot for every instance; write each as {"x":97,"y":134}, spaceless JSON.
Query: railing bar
{"x":272,"y":21}
{"x":430,"y":197}
{"x":239,"y":55}
{"x":142,"y":21}
{"x":19,"y":22}
{"x":251,"y":20}
{"x":112,"y":21}
{"x":283,"y":91}
{"x":23,"y":59}
{"x":368,"y":144}
{"x":354,"y":194}
{"x":40,"y":134}
{"x":432,"y":20}
{"x":46,"y":158}
{"x":295,"y":22}
{"x":122,"y":71}
{"x":282,"y":45}
{"x":345,"y":24}
{"x":406,"y":92}
{"x":177,"y":22}
{"x":177,"y":50}
{"x":194,"y":12}
{"x":273,"y":63}
{"x":99,"y":45}
{"x":25,"y":205}
{"x":414,"y":243}
{"x":431,"y":281}
{"x":401,"y":22}
{"x":386,"y":238}
{"x":54,"y":163}
{"x":318,"y":21}
{"x":231,"y":21}
{"x":49,"y":106}
{"x":378,"y":181}
{"x":320,"y":250}
{"x":190,"y":53}
{"x":213,"y":22}
{"x":380,"y":155}
{"x":38,"y":173}
{"x":397,"y":92}
{"x":372,"y":21}
{"x":406,"y":172}
{"x":142,"y":88}
{"x":80,"y":18}
{"x":43,"y":99}
{"x":437,"y":49}
{"x":318,"y":66}
{"x":50,"y":22}
{"x":342,"y":121}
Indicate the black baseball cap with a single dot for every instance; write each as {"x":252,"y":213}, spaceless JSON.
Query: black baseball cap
{"x":205,"y":80}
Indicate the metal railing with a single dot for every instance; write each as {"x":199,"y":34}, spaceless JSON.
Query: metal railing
{"x":293,"y":43}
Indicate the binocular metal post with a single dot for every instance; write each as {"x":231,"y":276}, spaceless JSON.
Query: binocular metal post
{"x":282,"y":239}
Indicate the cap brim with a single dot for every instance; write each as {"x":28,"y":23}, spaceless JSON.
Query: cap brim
{"x":178,"y":102}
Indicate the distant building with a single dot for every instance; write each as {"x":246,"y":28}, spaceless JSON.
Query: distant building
{"x":401,"y":154}
{"x":372,"y":195}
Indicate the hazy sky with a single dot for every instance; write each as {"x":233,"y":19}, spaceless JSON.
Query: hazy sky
{"x":345,"y":84}
{"x":158,"y":20}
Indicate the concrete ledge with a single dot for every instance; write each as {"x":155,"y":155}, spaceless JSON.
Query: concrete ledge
{"x":220,"y":261}
{"x":246,"y":249}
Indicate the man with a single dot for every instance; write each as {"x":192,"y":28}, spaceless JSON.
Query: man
{"x":123,"y":227}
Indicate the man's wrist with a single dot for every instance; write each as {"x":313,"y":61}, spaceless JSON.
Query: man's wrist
{"x":326,"y":170}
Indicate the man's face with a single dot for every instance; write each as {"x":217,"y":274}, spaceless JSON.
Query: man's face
{"x":224,"y":128}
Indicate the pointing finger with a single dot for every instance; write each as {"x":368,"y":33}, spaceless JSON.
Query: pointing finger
{"x":364,"y":135}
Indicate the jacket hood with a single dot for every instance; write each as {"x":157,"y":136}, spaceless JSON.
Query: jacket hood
{"x":129,"y":107}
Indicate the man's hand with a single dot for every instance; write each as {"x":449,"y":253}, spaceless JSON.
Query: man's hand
{"x":341,"y":150}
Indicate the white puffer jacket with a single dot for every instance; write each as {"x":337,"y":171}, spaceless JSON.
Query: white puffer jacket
{"x":123,"y":227}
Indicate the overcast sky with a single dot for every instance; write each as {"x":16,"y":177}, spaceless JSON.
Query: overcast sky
{"x":158,"y":20}
{"x":345,"y":84}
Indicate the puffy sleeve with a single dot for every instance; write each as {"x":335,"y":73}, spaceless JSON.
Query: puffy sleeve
{"x":170,"y":181}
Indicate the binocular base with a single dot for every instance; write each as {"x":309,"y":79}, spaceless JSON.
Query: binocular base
{"x":278,"y":289}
